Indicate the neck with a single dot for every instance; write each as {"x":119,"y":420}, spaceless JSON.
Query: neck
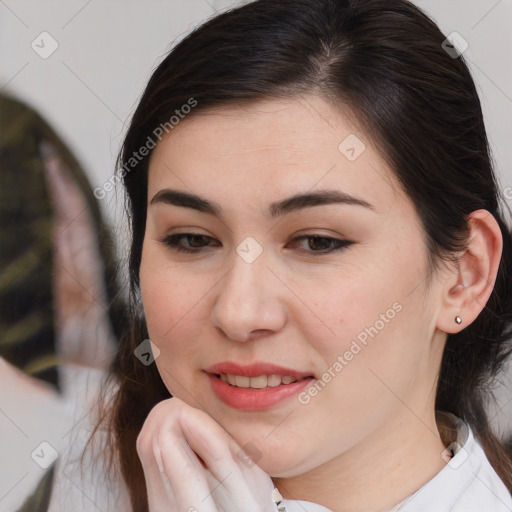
{"x":378,"y":473}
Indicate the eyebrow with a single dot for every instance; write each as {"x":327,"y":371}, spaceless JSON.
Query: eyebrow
{"x":277,"y":209}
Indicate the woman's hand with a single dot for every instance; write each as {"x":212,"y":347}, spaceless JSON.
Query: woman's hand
{"x":191,"y":464}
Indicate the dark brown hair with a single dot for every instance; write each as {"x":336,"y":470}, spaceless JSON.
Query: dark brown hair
{"x":384,"y":61}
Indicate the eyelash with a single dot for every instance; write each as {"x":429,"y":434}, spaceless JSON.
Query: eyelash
{"x":173,"y":241}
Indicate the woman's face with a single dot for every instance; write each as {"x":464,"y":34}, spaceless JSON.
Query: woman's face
{"x":348,"y":314}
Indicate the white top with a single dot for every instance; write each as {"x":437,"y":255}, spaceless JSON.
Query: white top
{"x":468,"y":483}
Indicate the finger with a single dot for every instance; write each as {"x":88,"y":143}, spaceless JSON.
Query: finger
{"x":172,"y":470}
{"x":184,"y":471}
{"x":219,"y":452}
{"x":159,"y":491}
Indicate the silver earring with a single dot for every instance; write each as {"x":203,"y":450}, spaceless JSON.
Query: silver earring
{"x":458,"y":320}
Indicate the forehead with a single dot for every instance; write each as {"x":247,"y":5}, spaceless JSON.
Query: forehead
{"x":265,"y":150}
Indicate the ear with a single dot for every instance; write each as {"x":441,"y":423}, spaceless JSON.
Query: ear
{"x":468,"y":288}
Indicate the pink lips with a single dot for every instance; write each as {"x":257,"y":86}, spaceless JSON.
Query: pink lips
{"x":248,"y":399}
{"x":255,"y":369}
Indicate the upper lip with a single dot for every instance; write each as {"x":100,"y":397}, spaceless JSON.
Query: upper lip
{"x":254,"y":369}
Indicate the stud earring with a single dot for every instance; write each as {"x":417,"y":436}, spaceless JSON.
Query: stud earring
{"x":458,"y":320}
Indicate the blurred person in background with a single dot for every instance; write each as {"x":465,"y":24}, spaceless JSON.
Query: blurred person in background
{"x":61,"y":310}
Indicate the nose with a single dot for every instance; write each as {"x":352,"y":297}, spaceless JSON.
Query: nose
{"x":247,"y":304}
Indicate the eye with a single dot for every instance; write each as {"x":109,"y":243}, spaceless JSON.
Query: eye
{"x":323,"y":244}
{"x":196,"y":242}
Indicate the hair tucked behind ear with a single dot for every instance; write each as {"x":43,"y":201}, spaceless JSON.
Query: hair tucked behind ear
{"x":383,"y":61}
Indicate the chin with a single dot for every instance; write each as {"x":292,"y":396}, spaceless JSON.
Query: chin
{"x":277,"y":459}
{"x":279,"y":465}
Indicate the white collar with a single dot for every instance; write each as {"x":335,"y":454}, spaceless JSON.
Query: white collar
{"x":468,"y":477}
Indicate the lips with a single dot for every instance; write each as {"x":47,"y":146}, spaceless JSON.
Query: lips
{"x":255,"y":370}
{"x":255,"y":387}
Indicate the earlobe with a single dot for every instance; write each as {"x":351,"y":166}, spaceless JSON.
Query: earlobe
{"x":470,"y":286}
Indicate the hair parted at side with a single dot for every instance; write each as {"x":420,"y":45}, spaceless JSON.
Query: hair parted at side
{"x":383,"y":61}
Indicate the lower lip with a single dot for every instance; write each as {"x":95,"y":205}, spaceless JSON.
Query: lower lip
{"x":250,"y":399}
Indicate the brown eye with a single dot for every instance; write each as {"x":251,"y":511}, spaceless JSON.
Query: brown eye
{"x":323,"y":244}
{"x":195,"y":242}
{"x":318,"y":243}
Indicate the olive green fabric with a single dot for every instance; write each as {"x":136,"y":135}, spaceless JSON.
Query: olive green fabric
{"x":40,"y":499}
{"x":26,"y":305}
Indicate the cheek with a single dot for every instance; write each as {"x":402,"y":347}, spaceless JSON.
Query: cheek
{"x":172,"y":314}
{"x":374,"y":316}
{"x":173,"y":305}
{"x":355,"y":307}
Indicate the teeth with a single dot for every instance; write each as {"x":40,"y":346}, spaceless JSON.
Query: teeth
{"x":242,"y":381}
{"x":259,"y":382}
{"x":273,"y":381}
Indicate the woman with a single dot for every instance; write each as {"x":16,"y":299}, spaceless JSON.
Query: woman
{"x":321,"y":263}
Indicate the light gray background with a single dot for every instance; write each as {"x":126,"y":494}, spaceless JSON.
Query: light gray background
{"x":89,"y":86}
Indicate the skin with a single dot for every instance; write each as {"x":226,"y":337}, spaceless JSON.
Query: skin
{"x":350,"y":447}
